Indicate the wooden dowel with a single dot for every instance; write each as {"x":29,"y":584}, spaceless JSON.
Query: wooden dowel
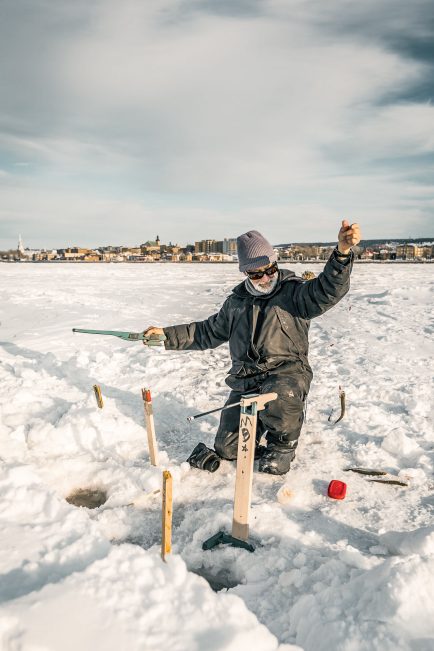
{"x":150,"y":426}
{"x":166,"y":538}
{"x":98,"y":395}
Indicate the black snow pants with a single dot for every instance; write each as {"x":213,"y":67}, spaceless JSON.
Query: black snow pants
{"x":281,"y":419}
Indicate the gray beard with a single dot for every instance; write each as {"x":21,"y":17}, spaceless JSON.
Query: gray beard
{"x":256,"y":290}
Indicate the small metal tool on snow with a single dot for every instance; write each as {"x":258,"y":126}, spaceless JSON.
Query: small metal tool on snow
{"x":213,"y":411}
{"x":342,"y":399}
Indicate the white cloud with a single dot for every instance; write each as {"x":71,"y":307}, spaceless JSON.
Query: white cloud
{"x":165,"y":107}
{"x":400,"y":130}
{"x":223,"y":105}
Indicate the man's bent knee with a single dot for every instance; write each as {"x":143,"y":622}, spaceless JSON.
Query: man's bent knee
{"x":226,"y":448}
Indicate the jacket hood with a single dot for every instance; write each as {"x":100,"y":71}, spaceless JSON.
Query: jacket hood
{"x":284,"y":275}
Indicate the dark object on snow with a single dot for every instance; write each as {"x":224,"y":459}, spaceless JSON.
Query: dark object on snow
{"x":204,"y":458}
{"x":393,"y":482}
{"x":276,"y":459}
{"x":342,"y":399}
{"x":372,"y":472}
{"x":337,"y":489}
{"x":91,"y":498}
{"x":222,"y":538}
{"x":221,"y":579}
{"x":367,"y":471}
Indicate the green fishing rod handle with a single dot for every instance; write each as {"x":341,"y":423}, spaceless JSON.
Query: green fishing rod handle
{"x":152,"y":340}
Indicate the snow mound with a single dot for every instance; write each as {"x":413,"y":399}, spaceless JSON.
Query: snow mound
{"x":387,"y":608}
{"x":399,"y":444}
{"x":420,"y":541}
{"x":132,"y":600}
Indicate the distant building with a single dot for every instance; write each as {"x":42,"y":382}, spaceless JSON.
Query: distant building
{"x":212,"y":257}
{"x":152,"y":245}
{"x":208,"y":246}
{"x":92,"y":256}
{"x":230,"y":246}
{"x":427,"y":251}
{"x":75,"y":253}
{"x":298,"y":252}
{"x":44,"y":256}
{"x":409,"y":251}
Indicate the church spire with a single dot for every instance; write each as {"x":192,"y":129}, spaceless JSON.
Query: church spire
{"x":20,"y":245}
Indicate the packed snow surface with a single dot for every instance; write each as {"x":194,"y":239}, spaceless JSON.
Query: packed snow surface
{"x":350,"y":575}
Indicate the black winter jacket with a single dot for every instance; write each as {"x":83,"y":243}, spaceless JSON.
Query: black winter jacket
{"x":269,"y":332}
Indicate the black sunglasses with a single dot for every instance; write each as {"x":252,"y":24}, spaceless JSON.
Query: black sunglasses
{"x":256,"y":275}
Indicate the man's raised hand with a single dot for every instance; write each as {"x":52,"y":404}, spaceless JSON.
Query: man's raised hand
{"x":349,"y":235}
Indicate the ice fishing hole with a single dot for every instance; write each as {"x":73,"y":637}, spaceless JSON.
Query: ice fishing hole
{"x":91,"y":498}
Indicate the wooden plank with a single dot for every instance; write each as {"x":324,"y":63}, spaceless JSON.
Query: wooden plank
{"x":150,"y":426}
{"x":244,"y":475}
{"x":166,"y":538}
{"x":245,"y":460}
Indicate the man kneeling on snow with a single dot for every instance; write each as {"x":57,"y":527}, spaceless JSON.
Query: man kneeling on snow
{"x":266,"y":322}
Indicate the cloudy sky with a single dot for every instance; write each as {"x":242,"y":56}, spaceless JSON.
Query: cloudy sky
{"x":206,"y":118}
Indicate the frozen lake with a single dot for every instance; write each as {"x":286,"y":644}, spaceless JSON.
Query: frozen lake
{"x":348,"y":575}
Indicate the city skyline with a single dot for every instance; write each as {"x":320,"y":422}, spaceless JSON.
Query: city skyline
{"x":187,"y":118}
{"x":226,"y":244}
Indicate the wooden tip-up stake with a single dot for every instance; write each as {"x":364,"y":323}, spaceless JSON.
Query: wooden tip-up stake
{"x":245,"y":457}
{"x":250,"y":405}
{"x":150,"y":426}
{"x":166,"y":538}
{"x":98,"y":396}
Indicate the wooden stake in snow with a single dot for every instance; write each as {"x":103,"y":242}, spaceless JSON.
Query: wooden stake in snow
{"x":166,"y":538}
{"x":98,"y":395}
{"x":245,"y":458}
{"x":250,"y":405}
{"x":150,"y":427}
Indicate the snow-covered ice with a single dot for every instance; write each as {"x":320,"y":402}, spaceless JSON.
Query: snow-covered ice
{"x":348,"y":575}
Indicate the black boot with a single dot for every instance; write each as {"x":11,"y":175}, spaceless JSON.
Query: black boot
{"x":260,"y":450}
{"x":204,"y":458}
{"x":276,"y":459}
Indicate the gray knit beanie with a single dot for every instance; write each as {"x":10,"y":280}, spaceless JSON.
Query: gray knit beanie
{"x":254,"y":251}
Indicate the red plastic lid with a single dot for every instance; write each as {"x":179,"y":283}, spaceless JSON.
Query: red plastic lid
{"x":337,"y":489}
{"x":147,"y":395}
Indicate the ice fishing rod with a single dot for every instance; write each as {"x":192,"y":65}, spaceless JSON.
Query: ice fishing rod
{"x":212,"y":411}
{"x":148,"y":340}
